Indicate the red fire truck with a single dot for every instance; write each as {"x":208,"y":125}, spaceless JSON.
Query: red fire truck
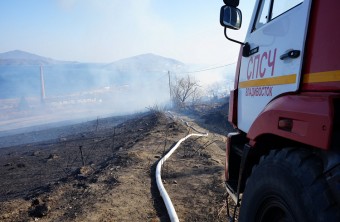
{"x":283,"y":163}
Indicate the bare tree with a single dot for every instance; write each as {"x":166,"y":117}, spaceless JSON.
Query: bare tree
{"x":183,"y":90}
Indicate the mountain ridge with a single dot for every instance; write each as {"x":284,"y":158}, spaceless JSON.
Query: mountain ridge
{"x":20,"y":55}
{"x":20,"y":73}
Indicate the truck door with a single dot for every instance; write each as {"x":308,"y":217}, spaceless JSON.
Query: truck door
{"x":276,"y":36}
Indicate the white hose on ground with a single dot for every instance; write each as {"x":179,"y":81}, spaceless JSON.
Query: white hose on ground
{"x":169,"y":206}
{"x":172,"y":116}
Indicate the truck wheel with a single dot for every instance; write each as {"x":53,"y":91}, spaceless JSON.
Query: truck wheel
{"x":288,"y":185}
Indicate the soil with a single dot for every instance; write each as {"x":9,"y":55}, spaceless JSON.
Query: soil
{"x":106,"y":173}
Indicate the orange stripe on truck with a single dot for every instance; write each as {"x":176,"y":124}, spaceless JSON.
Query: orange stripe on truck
{"x":278,"y":80}
{"x":330,"y":76}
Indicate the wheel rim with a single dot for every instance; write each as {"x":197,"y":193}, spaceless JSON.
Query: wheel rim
{"x":273,"y":208}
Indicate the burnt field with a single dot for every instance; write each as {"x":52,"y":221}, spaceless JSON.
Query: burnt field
{"x":103,"y":170}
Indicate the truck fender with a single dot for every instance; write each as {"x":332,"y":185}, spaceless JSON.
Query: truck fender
{"x":305,"y":118}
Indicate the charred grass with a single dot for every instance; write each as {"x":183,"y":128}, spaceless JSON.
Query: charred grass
{"x":107,"y":174}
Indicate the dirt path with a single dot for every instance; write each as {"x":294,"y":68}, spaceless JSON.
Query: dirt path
{"x":117,"y":182}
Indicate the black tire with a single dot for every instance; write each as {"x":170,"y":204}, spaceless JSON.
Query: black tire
{"x":288,"y":185}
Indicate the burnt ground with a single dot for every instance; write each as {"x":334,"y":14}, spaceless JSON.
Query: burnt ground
{"x":106,"y":173}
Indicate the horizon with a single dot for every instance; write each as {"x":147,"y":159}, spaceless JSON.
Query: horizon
{"x":144,"y":54}
{"x":205,"y":74}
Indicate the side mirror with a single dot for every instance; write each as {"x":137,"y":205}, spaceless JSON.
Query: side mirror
{"x":233,"y":3}
{"x":231,"y":17}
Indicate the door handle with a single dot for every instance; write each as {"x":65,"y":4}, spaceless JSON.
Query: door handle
{"x":292,"y":54}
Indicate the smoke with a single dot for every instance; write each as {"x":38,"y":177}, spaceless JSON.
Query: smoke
{"x":82,"y":90}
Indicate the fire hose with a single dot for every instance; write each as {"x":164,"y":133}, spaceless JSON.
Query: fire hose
{"x":167,"y":201}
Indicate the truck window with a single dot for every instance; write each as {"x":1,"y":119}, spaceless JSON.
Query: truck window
{"x":280,"y":6}
{"x":262,"y":16}
{"x":270,"y":9}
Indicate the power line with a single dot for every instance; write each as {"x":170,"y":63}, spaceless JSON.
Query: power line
{"x":207,"y":69}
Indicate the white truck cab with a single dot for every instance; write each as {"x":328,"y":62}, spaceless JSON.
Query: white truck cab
{"x":283,"y":163}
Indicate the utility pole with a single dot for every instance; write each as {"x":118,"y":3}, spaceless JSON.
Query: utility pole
{"x":169,"y":83}
{"x":169,"y":86}
{"x":42,"y":81}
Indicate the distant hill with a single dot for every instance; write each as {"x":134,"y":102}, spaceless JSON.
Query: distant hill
{"x":18,"y":57}
{"x":143,"y":69}
{"x":147,"y":63}
{"x":20,"y":73}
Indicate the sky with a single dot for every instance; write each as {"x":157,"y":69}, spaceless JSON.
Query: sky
{"x":108,"y":30}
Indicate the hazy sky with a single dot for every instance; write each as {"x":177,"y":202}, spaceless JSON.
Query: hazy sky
{"x":108,"y":30}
